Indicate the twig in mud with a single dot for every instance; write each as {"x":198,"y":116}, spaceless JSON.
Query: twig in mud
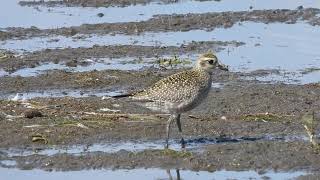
{"x":311,"y":136}
{"x":310,"y":124}
{"x":193,"y":117}
{"x":124,"y":114}
{"x":109,"y":110}
{"x":130,"y":117}
{"x":264,"y":117}
{"x":82,"y":126}
{"x":75,"y":124}
{"x":39,"y":138}
{"x":33,"y":126}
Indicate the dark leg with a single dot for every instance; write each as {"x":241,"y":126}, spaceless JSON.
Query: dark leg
{"x":178,"y":174}
{"x":183,"y":144}
{"x":171,"y":118}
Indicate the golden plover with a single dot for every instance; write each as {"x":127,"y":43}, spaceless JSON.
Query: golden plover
{"x":180,"y":92}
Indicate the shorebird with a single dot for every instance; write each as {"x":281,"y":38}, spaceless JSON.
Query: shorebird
{"x":180,"y":92}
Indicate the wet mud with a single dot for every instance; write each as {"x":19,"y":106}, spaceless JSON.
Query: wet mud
{"x":224,"y":116}
{"x":239,"y":109}
{"x":166,"y":23}
{"x":237,"y":156}
{"x":99,"y":3}
{"x":77,"y":56}
{"x":57,"y":112}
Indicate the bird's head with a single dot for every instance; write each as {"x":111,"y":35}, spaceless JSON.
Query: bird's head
{"x":209,"y":62}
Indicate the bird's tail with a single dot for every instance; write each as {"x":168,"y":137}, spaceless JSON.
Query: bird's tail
{"x":128,"y":94}
{"x":122,"y":95}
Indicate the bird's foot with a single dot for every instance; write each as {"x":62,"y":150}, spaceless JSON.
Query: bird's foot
{"x":166,"y":146}
{"x":183,"y":144}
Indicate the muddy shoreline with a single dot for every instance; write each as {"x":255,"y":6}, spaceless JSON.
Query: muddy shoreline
{"x":63,"y":117}
{"x":173,"y":23}
{"x":59,"y":126}
{"x":78,"y":55}
{"x":96,"y":3}
{"x":236,"y":156}
{"x":285,"y":103}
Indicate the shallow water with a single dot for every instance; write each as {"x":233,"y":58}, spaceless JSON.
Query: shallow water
{"x":290,"y":48}
{"x":268,"y":46}
{"x":83,"y":149}
{"x":3,"y":73}
{"x":99,"y":64}
{"x":8,"y":163}
{"x":48,"y":17}
{"x":136,"y":174}
{"x":29,"y":72}
{"x":72,"y":93}
{"x":59,"y":93}
{"x":138,"y":146}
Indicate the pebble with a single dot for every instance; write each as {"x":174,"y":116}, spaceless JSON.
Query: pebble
{"x":32,"y":113}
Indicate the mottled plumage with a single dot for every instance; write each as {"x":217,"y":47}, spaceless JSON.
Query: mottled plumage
{"x":182,"y":91}
{"x":179,"y":92}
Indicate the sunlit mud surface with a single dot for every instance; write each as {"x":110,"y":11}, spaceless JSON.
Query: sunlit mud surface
{"x":61,"y":64}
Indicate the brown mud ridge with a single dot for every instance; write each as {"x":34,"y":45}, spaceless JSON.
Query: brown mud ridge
{"x":95,"y":3}
{"x":169,"y":23}
{"x":77,"y":55}
{"x":108,"y":80}
{"x":240,"y":109}
{"x":249,"y":110}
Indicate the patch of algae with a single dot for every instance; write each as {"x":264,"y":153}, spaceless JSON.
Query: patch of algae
{"x":268,"y":117}
{"x":176,"y":154}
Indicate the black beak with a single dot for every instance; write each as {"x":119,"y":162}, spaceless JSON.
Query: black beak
{"x":223,"y":67}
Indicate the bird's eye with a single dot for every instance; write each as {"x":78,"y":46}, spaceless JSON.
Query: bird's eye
{"x":211,"y":61}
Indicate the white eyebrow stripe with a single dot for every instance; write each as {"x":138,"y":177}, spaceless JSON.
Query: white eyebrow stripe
{"x":206,"y":58}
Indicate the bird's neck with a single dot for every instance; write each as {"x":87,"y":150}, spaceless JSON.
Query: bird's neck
{"x":201,"y":70}
{"x":204,"y":77}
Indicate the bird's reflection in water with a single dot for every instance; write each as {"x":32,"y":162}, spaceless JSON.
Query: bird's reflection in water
{"x":173,"y":178}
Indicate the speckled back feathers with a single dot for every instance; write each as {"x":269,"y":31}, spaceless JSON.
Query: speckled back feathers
{"x":177,"y":88}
